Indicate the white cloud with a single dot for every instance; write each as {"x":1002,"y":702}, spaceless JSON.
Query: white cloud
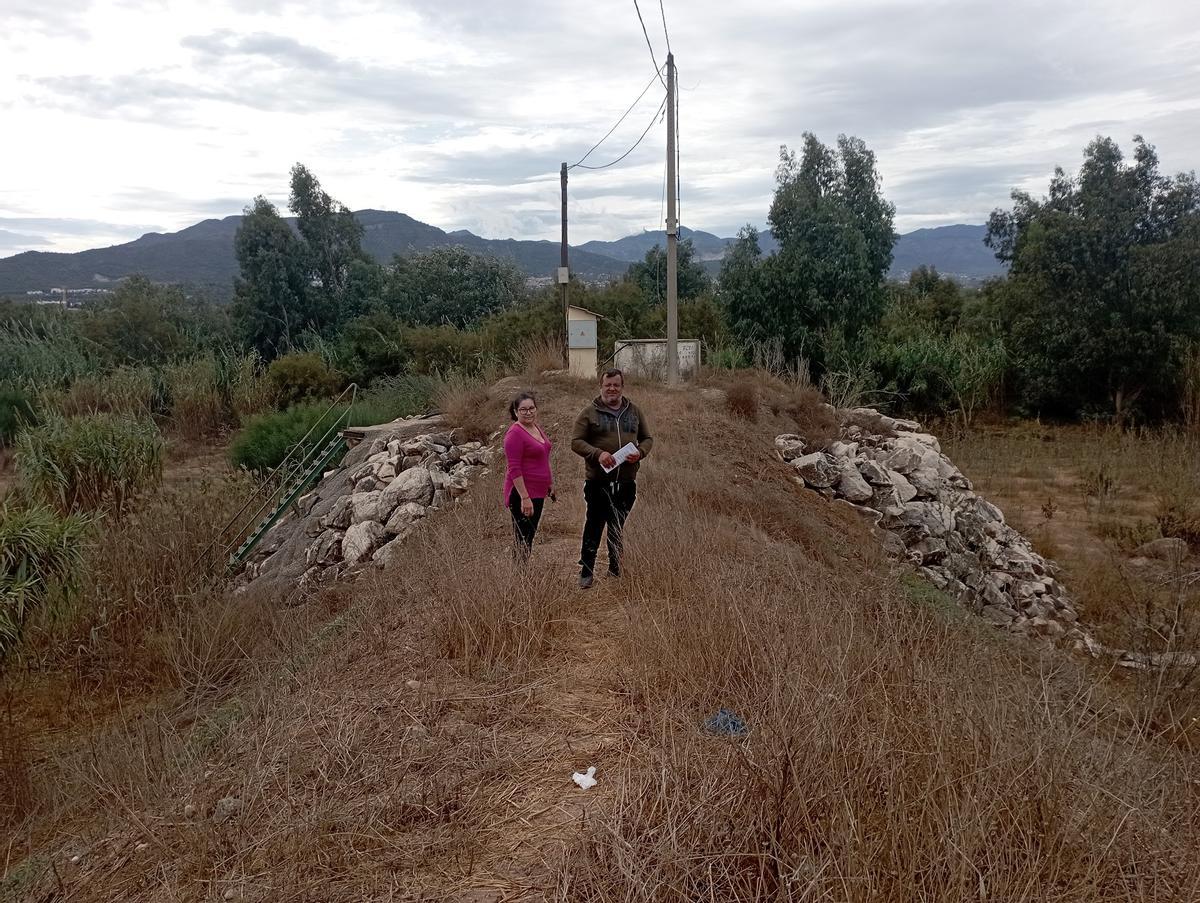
{"x":122,"y":112}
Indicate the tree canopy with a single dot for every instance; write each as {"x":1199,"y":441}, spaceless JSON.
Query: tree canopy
{"x":1104,"y":285}
{"x":650,"y":273}
{"x":835,"y":237}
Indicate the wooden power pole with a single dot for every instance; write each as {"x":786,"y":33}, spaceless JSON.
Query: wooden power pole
{"x":672,"y":235}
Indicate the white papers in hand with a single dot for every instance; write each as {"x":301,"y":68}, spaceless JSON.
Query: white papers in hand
{"x":620,"y":456}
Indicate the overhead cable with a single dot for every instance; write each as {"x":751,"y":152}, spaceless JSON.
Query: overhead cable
{"x":653,"y":59}
{"x":657,"y":114}
{"x":579,"y":162}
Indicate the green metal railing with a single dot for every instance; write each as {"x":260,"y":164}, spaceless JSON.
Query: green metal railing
{"x":292,"y":477}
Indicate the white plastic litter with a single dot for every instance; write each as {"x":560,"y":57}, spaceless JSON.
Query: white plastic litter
{"x":585,"y":780}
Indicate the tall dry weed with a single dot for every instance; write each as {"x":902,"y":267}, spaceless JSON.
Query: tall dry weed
{"x":467,"y":405}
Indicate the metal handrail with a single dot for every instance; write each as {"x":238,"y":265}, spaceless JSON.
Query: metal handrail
{"x":287,"y":462}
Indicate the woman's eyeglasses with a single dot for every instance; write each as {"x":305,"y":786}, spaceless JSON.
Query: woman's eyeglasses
{"x":526,"y":410}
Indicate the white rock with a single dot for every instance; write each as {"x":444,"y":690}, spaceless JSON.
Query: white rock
{"x":365,"y":506}
{"x":905,"y":490}
{"x":1167,"y":549}
{"x":413,"y":485}
{"x":404,"y":517}
{"x":226,"y":808}
{"x":851,"y":484}
{"x":817,"y":470}
{"x":361,"y":540}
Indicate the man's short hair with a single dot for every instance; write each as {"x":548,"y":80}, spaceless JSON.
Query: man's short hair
{"x":615,"y":371}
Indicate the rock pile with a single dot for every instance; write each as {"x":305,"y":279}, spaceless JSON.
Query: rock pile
{"x":363,"y":511}
{"x":926,"y":512}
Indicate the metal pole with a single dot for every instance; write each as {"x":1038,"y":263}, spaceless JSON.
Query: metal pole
{"x":672,"y":235}
{"x":564,"y":265}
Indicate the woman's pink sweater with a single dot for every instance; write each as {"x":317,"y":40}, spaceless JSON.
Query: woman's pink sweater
{"x":529,"y":458}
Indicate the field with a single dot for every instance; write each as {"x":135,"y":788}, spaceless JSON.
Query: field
{"x":413,"y":736}
{"x":1090,"y":498}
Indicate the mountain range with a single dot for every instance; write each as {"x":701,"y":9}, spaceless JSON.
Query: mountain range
{"x":202,"y":255}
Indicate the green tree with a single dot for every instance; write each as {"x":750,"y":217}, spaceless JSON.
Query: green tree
{"x":140,"y":323}
{"x":650,"y":273}
{"x":332,"y":239}
{"x":273,"y":304}
{"x":835,"y":246}
{"x":1104,"y":283}
{"x":452,"y":286}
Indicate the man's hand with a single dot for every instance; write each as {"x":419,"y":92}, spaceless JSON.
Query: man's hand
{"x":607,"y":461}
{"x":527,"y":507}
{"x":633,"y":458}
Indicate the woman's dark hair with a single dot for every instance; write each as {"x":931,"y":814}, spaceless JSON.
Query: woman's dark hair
{"x":516,"y":403}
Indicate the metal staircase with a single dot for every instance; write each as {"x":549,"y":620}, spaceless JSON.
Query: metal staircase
{"x":320,"y":447}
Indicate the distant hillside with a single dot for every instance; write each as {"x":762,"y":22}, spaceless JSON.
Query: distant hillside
{"x":202,"y":255}
{"x":955,"y":251}
{"x":632,"y":248}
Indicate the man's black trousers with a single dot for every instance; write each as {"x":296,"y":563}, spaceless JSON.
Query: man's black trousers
{"x":608,"y":504}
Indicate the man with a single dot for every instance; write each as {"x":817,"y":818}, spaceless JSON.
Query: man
{"x":601,"y":429}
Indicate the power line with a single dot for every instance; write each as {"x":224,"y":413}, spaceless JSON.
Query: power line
{"x":657,"y":68}
{"x":664,"y":18}
{"x":657,"y":113}
{"x":614,"y":128}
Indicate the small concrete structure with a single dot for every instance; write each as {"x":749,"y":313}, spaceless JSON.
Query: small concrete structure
{"x":648,"y":357}
{"x":582,"y":355}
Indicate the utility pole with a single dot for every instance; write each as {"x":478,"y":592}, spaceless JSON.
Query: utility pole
{"x":564,"y":272}
{"x":672,"y":235}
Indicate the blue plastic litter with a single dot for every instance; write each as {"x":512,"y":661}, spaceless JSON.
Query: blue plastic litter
{"x":727,"y":723}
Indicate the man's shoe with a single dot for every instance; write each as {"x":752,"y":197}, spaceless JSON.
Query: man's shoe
{"x":585,"y":581}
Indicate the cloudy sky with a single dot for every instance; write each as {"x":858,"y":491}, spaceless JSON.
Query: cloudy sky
{"x":126,"y":116}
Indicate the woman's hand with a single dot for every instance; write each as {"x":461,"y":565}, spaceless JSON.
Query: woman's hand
{"x":527,"y":506}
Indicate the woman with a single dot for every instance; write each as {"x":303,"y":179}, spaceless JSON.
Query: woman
{"x":527,"y":481}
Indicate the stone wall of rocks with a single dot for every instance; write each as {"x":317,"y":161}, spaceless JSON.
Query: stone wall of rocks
{"x":361,"y":513}
{"x":927,"y":513}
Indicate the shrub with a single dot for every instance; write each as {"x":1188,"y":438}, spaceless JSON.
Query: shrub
{"x":1179,"y":518}
{"x":466,"y":405}
{"x":16,"y":413}
{"x":40,"y":553}
{"x":247,"y":389}
{"x":197,"y":406}
{"x":814,"y":419}
{"x":742,"y":400}
{"x":442,"y":349}
{"x":266,"y":439}
{"x":41,"y":351}
{"x":90,"y":463}
{"x":136,"y":391}
{"x":301,"y":376}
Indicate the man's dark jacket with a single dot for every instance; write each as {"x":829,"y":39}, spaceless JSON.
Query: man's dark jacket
{"x":598,"y":428}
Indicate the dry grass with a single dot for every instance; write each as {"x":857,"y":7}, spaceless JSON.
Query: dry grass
{"x":541,"y":354}
{"x":467,"y":404}
{"x":741,"y":400}
{"x":1106,"y":493}
{"x":420,"y":745}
